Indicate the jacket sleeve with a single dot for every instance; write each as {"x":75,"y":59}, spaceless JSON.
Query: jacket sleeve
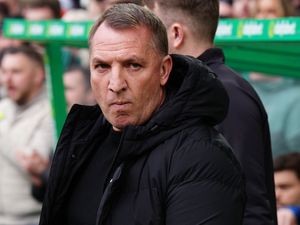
{"x":204,"y":188}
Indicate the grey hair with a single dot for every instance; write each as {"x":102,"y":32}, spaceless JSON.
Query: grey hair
{"x":129,"y":15}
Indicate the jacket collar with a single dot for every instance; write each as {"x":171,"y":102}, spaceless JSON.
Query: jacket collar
{"x":212,"y":56}
{"x":193,"y":95}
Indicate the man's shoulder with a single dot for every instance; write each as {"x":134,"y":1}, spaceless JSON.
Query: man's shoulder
{"x":81,"y":119}
{"x":5,"y":102}
{"x":236,"y":86}
{"x":240,"y":92}
{"x":6,"y":105}
{"x":205,"y":148}
{"x":205,"y":141}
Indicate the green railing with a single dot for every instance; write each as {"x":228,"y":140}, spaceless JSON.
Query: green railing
{"x":268,"y":46}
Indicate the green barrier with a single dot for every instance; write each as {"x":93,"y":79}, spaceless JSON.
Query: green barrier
{"x":251,"y":30}
{"x":268,"y":46}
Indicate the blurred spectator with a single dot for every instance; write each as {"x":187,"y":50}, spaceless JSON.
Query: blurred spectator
{"x":5,"y":42}
{"x":4,"y":13}
{"x":296,"y":4}
{"x":78,"y":87}
{"x":109,"y":3}
{"x":69,"y":4}
{"x":225,"y":8}
{"x":287,"y":183}
{"x":42,"y":10}
{"x":243,"y":8}
{"x":47,"y":10}
{"x":79,"y":56}
{"x":95,"y":8}
{"x":26,"y":133}
{"x":14,"y":7}
{"x":75,"y":15}
{"x":280,"y":95}
{"x":269,"y":9}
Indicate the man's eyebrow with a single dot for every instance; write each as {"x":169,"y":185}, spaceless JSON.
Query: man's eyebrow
{"x":135,"y":60}
{"x":98,"y":60}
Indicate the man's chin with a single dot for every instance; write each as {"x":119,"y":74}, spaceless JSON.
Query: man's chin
{"x":120,"y":126}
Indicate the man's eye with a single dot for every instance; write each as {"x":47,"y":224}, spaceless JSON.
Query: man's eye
{"x":101,"y":66}
{"x":135,"y":66}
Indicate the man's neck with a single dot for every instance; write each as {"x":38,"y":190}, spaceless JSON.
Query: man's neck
{"x":194,"y":48}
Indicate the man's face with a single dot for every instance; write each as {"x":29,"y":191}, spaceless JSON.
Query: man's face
{"x":287,"y":186}
{"x":75,"y":88}
{"x":20,"y":76}
{"x":42,"y":13}
{"x":127,"y":75}
{"x":243,"y":8}
{"x":268,"y":9}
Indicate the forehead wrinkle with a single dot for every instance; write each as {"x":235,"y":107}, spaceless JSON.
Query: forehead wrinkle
{"x":122,"y":49}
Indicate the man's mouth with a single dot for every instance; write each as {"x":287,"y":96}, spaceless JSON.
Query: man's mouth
{"x":120,"y":106}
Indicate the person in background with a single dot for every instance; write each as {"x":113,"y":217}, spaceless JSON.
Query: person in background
{"x":225,"y":8}
{"x":5,"y":42}
{"x":41,"y":10}
{"x":26,"y":132}
{"x":110,"y":3}
{"x":270,"y":9}
{"x":287,"y":183}
{"x":296,"y":4}
{"x":95,"y":8}
{"x":77,"y":87}
{"x":35,"y":10}
{"x":279,"y":94}
{"x":148,"y":152}
{"x":191,"y":27}
{"x":14,"y":7}
{"x":4,"y":12}
{"x":243,"y":8}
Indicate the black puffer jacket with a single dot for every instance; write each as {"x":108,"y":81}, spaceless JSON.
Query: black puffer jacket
{"x":176,"y":169}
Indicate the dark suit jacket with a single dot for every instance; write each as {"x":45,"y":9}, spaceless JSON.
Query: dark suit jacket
{"x":247,"y":130}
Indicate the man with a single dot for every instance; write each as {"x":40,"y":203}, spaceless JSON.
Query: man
{"x":42,"y":10}
{"x":191,"y":27}
{"x":243,"y":8}
{"x":287,"y":183}
{"x":225,"y":8}
{"x":279,"y":94}
{"x":14,"y":7}
{"x":148,"y":154}
{"x":25,"y":134}
{"x":77,"y":87}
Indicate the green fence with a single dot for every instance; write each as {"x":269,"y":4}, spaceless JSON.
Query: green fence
{"x":268,"y":46}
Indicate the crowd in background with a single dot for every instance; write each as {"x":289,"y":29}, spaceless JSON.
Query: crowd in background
{"x":279,"y":94}
{"x":29,"y":166}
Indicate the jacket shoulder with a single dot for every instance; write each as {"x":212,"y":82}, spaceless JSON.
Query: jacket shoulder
{"x":204,"y":154}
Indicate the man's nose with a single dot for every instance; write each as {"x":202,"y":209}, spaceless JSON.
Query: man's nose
{"x":117,"y":81}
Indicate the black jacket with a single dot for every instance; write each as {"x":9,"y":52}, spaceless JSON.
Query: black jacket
{"x":246,"y":129}
{"x":176,"y":169}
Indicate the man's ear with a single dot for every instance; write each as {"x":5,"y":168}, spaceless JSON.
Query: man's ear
{"x":39,"y":75}
{"x":176,"y":35}
{"x":165,"y":69}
